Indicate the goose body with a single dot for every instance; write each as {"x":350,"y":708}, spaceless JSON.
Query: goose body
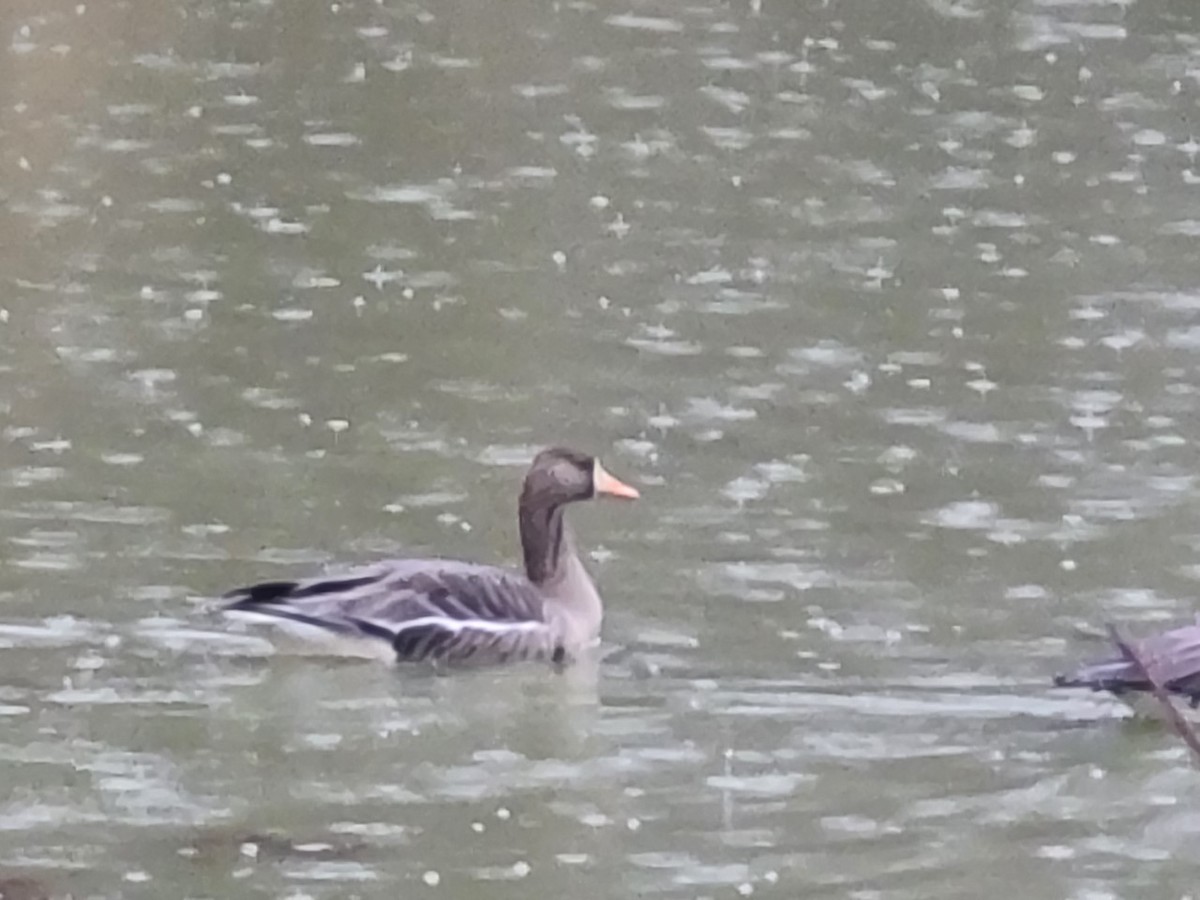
{"x":460,"y":613}
{"x":1172,"y":658}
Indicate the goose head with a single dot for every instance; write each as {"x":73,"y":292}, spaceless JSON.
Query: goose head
{"x":559,"y":475}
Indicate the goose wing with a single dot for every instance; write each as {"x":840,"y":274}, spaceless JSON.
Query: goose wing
{"x":1172,"y":658}
{"x":426,"y":609}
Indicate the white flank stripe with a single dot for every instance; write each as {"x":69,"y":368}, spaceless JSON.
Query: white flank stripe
{"x":456,"y":625}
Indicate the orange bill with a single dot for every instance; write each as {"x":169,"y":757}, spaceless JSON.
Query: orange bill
{"x":607,"y":484}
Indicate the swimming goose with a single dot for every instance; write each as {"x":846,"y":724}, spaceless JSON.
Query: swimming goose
{"x":1172,"y":659}
{"x":450,"y":612}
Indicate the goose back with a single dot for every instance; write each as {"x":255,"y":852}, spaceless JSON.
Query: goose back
{"x":431,"y":610}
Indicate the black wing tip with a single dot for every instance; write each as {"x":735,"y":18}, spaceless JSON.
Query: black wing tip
{"x":1114,"y":675}
{"x":263,"y":594}
{"x":1085,"y":679}
{"x":1113,"y":686}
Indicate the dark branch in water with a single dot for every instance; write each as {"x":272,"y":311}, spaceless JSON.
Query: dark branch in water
{"x":1174,"y":718}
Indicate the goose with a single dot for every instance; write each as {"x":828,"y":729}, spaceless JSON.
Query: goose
{"x":1171,"y":657}
{"x":449,"y":612}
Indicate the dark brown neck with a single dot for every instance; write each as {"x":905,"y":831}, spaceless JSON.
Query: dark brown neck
{"x":543,"y":541}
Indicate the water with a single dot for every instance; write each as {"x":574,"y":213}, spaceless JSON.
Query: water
{"x":888,"y":309}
